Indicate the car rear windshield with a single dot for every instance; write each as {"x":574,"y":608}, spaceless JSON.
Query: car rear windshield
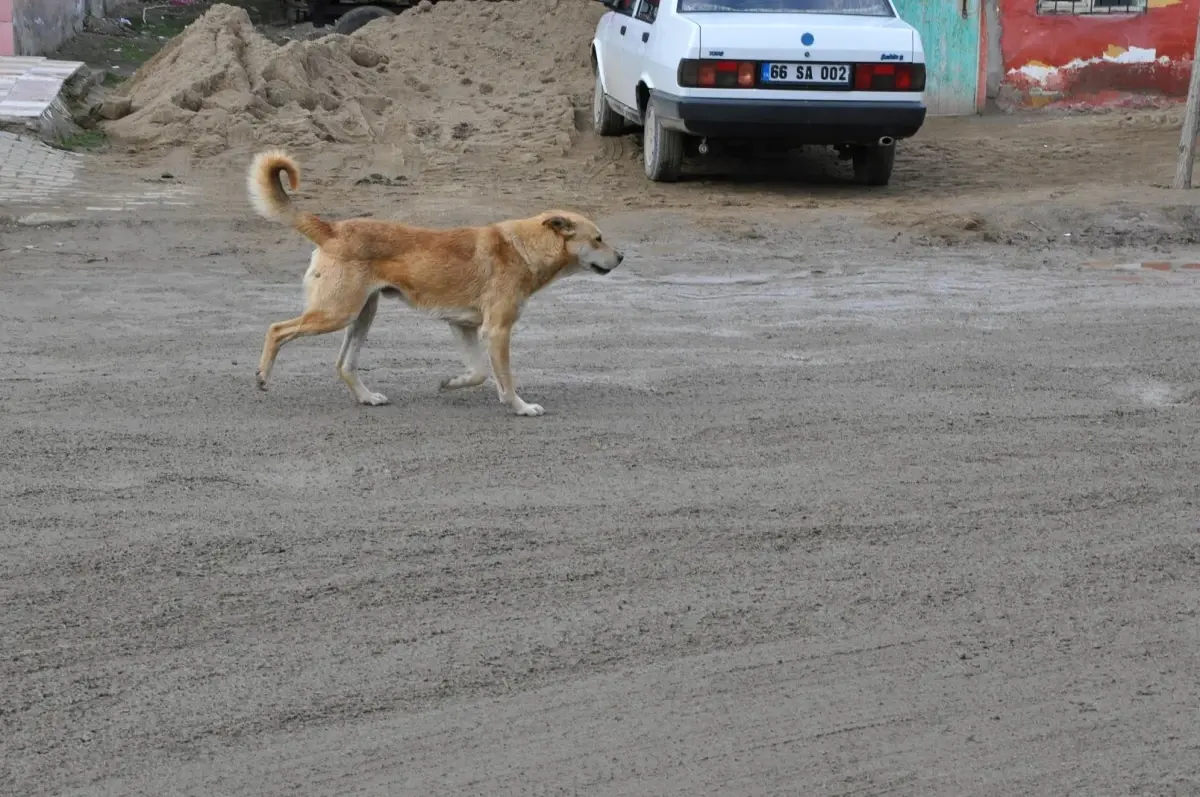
{"x":864,"y":8}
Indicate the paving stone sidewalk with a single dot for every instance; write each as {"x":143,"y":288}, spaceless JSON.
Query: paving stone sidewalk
{"x":35,"y":176}
{"x":31,"y":172}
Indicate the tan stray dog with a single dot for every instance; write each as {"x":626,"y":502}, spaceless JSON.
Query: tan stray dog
{"x":474,"y":278}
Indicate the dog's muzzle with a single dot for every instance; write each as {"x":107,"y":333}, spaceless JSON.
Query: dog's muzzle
{"x":602,"y":270}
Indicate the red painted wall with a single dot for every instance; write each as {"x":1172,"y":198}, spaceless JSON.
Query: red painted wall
{"x":1055,"y":41}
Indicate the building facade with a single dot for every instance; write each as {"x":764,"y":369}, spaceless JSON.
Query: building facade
{"x":1089,"y":53}
{"x":39,"y":27}
{"x":1021,"y":53}
{"x":1053,"y":53}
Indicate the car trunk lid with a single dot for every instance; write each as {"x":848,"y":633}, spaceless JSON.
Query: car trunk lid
{"x":817,"y":38}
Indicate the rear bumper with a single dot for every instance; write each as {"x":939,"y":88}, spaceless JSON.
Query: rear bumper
{"x":801,"y":121}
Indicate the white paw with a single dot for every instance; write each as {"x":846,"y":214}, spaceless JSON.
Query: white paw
{"x":461,"y":381}
{"x":530,"y":410}
{"x":373,"y":399}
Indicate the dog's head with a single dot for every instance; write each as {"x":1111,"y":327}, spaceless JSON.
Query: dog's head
{"x":581,"y":241}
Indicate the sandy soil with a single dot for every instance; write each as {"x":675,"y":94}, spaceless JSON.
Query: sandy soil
{"x":839,"y":491}
{"x":450,"y":83}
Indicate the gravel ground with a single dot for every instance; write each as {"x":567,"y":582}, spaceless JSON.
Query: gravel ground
{"x":817,"y":508}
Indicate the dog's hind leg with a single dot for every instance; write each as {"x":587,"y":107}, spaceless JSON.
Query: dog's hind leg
{"x":347,"y":361}
{"x":473,"y":356}
{"x":331,"y":305}
{"x":312,"y":322}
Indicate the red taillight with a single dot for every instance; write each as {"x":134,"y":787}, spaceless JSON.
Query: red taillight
{"x":746,"y":73}
{"x":862,"y":77}
{"x":889,"y":77}
{"x":726,"y":74}
{"x":697,"y":73}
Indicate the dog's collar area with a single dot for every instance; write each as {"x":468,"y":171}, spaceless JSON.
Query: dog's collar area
{"x":515,"y":242}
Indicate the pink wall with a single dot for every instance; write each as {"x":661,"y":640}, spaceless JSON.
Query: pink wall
{"x":7,"y":45}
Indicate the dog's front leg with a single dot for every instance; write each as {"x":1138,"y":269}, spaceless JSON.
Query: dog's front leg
{"x":499,"y":338}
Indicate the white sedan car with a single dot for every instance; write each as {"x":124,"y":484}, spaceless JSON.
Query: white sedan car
{"x":697,"y":74}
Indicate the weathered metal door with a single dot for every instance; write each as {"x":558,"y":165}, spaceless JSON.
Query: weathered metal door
{"x":950,"y":33}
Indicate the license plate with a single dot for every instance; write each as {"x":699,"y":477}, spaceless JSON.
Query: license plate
{"x":807,"y":74}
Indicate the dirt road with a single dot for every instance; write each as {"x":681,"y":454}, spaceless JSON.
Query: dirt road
{"x":836,"y":494}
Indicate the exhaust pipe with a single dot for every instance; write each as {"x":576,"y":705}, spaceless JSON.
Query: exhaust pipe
{"x":886,"y":141}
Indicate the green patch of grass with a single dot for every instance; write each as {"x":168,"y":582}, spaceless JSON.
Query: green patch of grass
{"x":84,"y":141}
{"x":167,"y":28}
{"x":112,"y":80}
{"x":138,"y":50}
{"x":153,"y":35}
{"x":167,"y":22}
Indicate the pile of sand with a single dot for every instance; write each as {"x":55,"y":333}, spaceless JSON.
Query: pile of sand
{"x":460,"y":77}
{"x":220,"y":83}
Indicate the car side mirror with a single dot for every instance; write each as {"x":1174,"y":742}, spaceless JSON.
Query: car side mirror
{"x":609,"y":3}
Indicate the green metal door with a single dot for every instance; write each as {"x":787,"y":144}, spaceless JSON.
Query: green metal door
{"x":950,"y":34}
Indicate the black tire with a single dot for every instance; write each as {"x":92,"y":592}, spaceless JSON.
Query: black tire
{"x":873,"y":164}
{"x":355,"y":18}
{"x":605,"y":120}
{"x":662,"y":149}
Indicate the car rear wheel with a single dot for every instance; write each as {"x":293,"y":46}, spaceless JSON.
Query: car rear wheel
{"x":355,"y":18}
{"x":605,"y":120}
{"x":662,"y":149}
{"x":873,"y":164}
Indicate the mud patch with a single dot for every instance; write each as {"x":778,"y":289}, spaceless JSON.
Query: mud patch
{"x":1110,"y":226}
{"x":941,"y":227}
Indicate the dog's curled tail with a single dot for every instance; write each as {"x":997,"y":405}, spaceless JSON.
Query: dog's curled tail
{"x":265,"y":186}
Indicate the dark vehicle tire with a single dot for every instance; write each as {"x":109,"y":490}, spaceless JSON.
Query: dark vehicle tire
{"x":355,"y":18}
{"x":873,"y":164}
{"x":662,"y":149}
{"x":605,"y":120}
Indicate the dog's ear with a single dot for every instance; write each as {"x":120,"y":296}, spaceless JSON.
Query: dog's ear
{"x":561,"y":225}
